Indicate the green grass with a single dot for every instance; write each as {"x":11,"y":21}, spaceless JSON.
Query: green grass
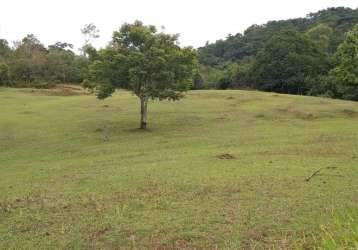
{"x":341,"y":232}
{"x":77,"y":174}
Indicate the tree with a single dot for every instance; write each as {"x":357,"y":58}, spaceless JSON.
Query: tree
{"x":289,"y":63}
{"x":89,"y":32}
{"x":346,"y":70}
{"x":345,"y":74}
{"x":5,"y":50}
{"x":30,"y":60}
{"x":60,"y":63}
{"x":150,"y":64}
{"x":198,"y":81}
{"x":4,"y":74}
{"x":321,"y":35}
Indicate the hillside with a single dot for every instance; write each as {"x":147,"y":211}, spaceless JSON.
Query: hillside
{"x":301,"y":56}
{"x":219,"y":168}
{"x":238,"y":46}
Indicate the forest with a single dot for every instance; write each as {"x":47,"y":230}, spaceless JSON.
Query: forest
{"x":308,"y":56}
{"x":315,"y":55}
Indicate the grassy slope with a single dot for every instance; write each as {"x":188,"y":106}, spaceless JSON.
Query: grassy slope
{"x":76,"y":174}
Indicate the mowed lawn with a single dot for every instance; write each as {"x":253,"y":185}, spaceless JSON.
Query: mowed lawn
{"x":216,"y":170}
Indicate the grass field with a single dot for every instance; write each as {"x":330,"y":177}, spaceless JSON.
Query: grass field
{"x":217,"y":170}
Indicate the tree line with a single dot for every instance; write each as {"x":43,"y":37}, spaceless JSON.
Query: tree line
{"x":28,"y":63}
{"x":315,"y":55}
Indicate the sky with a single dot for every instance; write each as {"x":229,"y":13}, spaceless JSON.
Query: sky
{"x":197,"y":21}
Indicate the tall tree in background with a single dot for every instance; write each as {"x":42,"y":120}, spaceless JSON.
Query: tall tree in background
{"x":345,"y":74}
{"x":321,"y":35}
{"x":150,"y":64}
{"x":346,"y":70}
{"x":60,"y":63}
{"x":5,"y":50}
{"x":90,"y":32}
{"x":4,"y":74}
{"x":30,"y":60}
{"x":289,"y":63}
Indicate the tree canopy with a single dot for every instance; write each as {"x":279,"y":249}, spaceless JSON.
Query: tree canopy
{"x":289,"y":63}
{"x":30,"y":64}
{"x":346,"y":70}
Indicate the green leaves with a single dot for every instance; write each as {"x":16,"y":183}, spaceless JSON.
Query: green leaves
{"x":346,"y":71}
{"x":148,"y":63}
{"x":288,"y":63}
{"x":4,"y":73}
{"x":104,"y":90}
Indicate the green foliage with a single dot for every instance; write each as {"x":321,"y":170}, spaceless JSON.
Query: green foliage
{"x":30,"y":63}
{"x":104,"y":90}
{"x":5,"y":50}
{"x":346,"y":70}
{"x":61,"y":65}
{"x":319,"y":26}
{"x":211,"y":76}
{"x":244,"y":73}
{"x":198,"y":80}
{"x":150,"y":64}
{"x":308,"y":55}
{"x":86,"y":84}
{"x":233,"y":48}
{"x":322,"y":35}
{"x":221,"y":77}
{"x":340,"y":19}
{"x":289,"y":63}
{"x":4,"y":74}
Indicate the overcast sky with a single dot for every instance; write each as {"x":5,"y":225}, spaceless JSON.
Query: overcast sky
{"x":197,"y":21}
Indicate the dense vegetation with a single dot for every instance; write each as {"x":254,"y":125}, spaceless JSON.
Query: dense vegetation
{"x":29,"y":63}
{"x":299,"y":56}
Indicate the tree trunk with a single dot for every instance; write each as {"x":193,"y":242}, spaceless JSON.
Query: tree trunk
{"x":143,"y":112}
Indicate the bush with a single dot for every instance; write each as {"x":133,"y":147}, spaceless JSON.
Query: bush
{"x":86,"y":84}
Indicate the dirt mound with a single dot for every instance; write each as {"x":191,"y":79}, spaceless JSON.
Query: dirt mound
{"x":60,"y":90}
{"x":225,"y":157}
